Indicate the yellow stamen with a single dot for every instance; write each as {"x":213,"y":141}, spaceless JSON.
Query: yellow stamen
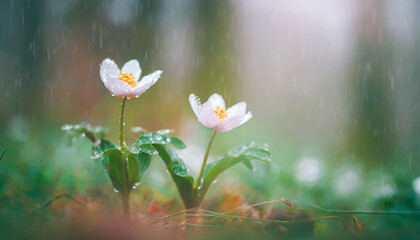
{"x":128,"y":78}
{"x":221,"y":113}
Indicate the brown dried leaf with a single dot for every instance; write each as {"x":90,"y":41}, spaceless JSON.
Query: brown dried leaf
{"x":155,"y":210}
{"x":232,"y":201}
{"x":351,"y":223}
{"x":356,"y":221}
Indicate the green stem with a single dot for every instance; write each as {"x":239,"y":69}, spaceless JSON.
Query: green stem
{"x":122,"y":143}
{"x":125,"y":194}
{"x":126,"y":207}
{"x":198,"y":181}
{"x":350,"y":212}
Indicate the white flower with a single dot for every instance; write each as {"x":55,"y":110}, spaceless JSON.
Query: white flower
{"x":125,"y":83}
{"x":213,"y":113}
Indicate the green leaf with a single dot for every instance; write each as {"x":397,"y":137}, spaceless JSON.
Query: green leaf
{"x":177,"y":143}
{"x":99,"y":149}
{"x":179,"y":173}
{"x":154,"y":138}
{"x":242,"y":153}
{"x":121,"y":163}
{"x":149,"y":149}
{"x":133,"y":170}
{"x":144,"y":143}
{"x":252,"y":149}
{"x":248,"y":164}
{"x":85,"y":130}
{"x":142,"y":163}
{"x":115,"y":168}
{"x":95,"y":135}
{"x":146,"y":148}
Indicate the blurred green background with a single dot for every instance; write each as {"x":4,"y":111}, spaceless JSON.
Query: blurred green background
{"x":333,"y":87}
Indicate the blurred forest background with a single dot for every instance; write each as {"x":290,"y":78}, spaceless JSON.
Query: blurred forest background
{"x":333,"y":87}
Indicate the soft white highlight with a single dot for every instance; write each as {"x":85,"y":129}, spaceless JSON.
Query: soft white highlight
{"x":308,"y":170}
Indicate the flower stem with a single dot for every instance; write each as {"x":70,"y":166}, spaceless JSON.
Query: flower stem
{"x":125,"y":194}
{"x":122,"y":143}
{"x":126,"y":206}
{"x":198,"y":181}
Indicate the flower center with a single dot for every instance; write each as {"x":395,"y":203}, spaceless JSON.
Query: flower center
{"x":221,"y":113}
{"x":128,"y":78}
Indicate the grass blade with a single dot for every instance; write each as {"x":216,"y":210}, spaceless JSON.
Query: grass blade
{"x":4,"y":152}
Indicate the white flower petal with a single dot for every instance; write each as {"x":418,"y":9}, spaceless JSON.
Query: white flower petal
{"x":216,"y":100}
{"x":235,"y":115}
{"x":229,"y":124}
{"x":133,"y":67}
{"x":145,"y":83}
{"x":207,"y":116}
{"x":195,"y":103}
{"x":237,"y":109}
{"x":118,"y":88}
{"x":109,"y":70}
{"x":246,"y":117}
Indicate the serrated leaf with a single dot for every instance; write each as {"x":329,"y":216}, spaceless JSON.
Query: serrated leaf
{"x":242,"y":153}
{"x":179,"y":173}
